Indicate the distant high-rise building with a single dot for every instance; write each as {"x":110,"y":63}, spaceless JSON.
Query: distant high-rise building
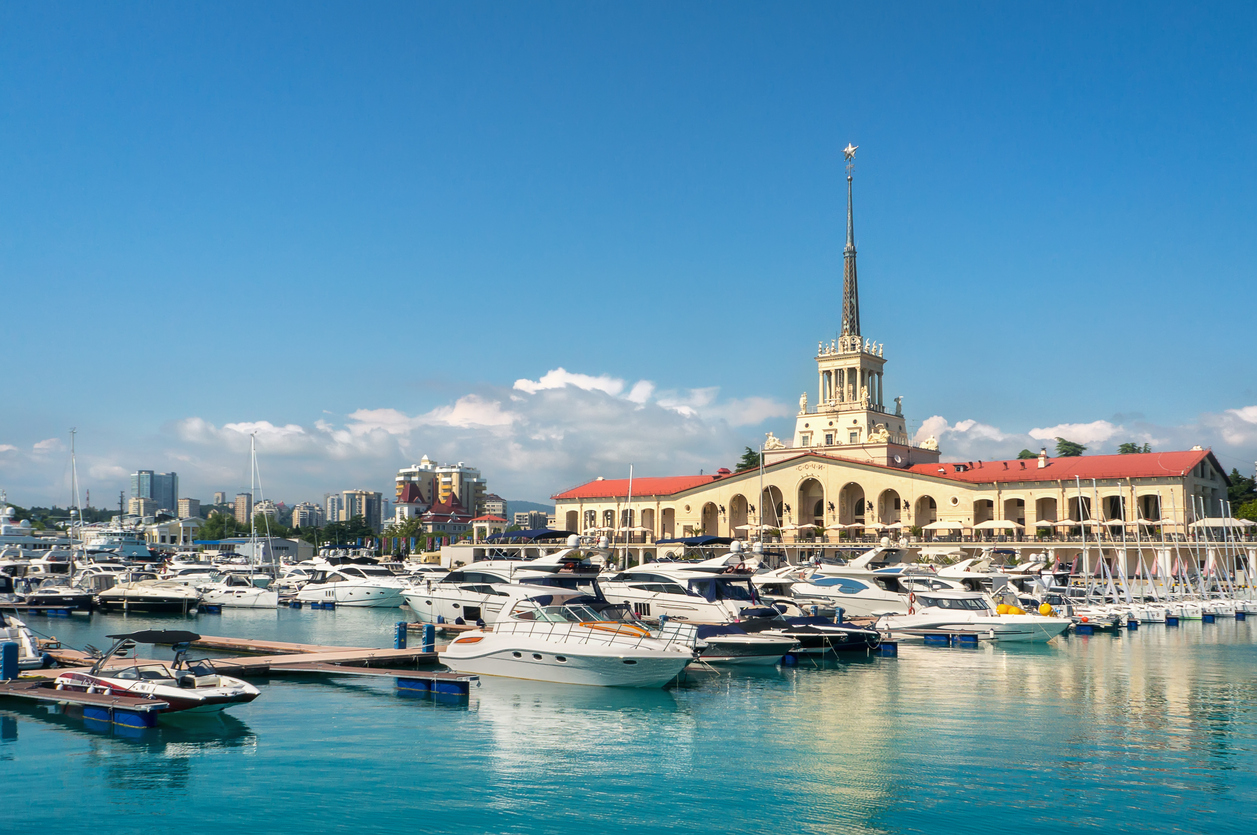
{"x":244,"y":508}
{"x":335,"y":506}
{"x":267,"y":508}
{"x":307,"y":515}
{"x":141,"y":506}
{"x":220,"y":497}
{"x":364,"y":503}
{"x":440,"y":481}
{"x":162,"y":488}
{"x":494,"y":505}
{"x":189,"y":508}
{"x":531,"y":520}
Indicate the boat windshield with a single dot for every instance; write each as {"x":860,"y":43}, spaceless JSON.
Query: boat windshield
{"x":722,"y":588}
{"x":970,"y":603}
{"x":584,"y":585}
{"x":575,"y":613}
{"x":144,"y":672}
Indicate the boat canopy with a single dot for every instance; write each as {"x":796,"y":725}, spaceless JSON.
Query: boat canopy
{"x":159,"y":636}
{"x":531,"y":536}
{"x":696,"y":541}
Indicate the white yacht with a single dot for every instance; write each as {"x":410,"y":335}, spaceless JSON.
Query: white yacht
{"x":947,"y":612}
{"x":549,"y":635}
{"x":470,"y":594}
{"x":126,"y":543}
{"x":867,"y":586}
{"x":354,"y":584}
{"x":13,"y":630}
{"x":234,"y":591}
{"x":715,"y":590}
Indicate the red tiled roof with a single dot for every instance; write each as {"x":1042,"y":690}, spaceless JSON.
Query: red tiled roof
{"x":451,"y":507}
{"x":1134,"y":465}
{"x":614,"y":487}
{"x":489,"y":518}
{"x":411,"y":494}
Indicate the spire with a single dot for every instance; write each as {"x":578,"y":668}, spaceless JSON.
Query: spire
{"x":850,"y":289}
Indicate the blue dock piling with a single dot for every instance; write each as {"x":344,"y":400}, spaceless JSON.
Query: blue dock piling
{"x":966,"y":640}
{"x":427,"y":638}
{"x":399,"y":638}
{"x":1132,"y":624}
{"x":1207,"y":618}
{"x":294,"y":604}
{"x":937,"y":640}
{"x":1241,"y":615}
{"x":1171,"y":620}
{"x":8,"y":661}
{"x":887,"y":649}
{"x":789,"y":659}
{"x":1084,"y":629}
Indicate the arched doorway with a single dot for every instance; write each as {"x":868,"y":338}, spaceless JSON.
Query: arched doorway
{"x":648,"y":521}
{"x":668,"y":528}
{"x":925,"y":512}
{"x":1045,"y":510}
{"x":1015,"y":510}
{"x":710,"y":519}
{"x":1150,"y":507}
{"x":811,"y":503}
{"x":851,"y":504}
{"x":772,"y":507}
{"x":739,"y":516}
{"x":570,"y":521}
{"x":1080,"y":508}
{"x":983,"y":511}
{"x":889,"y":506}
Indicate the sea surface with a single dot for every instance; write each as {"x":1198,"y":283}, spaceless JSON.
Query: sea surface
{"x":1153,"y":731}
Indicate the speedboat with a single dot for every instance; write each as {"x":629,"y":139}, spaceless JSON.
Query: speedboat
{"x":354,"y":584}
{"x":235,"y":591}
{"x":192,"y":686}
{"x":870,"y":585}
{"x":731,"y":644}
{"x":947,"y":612}
{"x":553,"y":635}
{"x":814,"y":634}
{"x":29,"y":656}
{"x":142,"y":591}
{"x":57,"y":593}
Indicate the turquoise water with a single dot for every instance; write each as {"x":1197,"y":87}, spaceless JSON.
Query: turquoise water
{"x":1153,"y":731}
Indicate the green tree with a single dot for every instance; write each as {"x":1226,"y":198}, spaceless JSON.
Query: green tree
{"x":749,"y":460}
{"x":1248,"y":510}
{"x":1069,"y":449}
{"x":1241,"y":491}
{"x":1131,"y":448}
{"x":1025,"y":453}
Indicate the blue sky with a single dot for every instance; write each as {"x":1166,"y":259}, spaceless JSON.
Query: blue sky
{"x":354,"y":229}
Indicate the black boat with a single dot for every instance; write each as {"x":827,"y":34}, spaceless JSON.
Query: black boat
{"x":816,"y":635}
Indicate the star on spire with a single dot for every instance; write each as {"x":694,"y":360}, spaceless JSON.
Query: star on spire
{"x":849,"y":151}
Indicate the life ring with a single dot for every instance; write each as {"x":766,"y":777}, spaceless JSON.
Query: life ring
{"x":912,"y":603}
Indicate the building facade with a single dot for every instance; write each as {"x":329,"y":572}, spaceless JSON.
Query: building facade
{"x":850,"y":470}
{"x":189,"y":508}
{"x":307,"y":515}
{"x":438,"y":482}
{"x":531,"y":520}
{"x":220,"y":497}
{"x":162,"y":488}
{"x":364,"y":503}
{"x":495,"y":505}
{"x":244,"y":508}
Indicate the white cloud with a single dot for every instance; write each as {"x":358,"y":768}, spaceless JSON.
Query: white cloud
{"x":8,"y":448}
{"x":1096,"y":432}
{"x":49,"y":445}
{"x":561,"y":377}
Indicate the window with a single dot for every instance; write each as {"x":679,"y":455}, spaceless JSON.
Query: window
{"x":854,"y":437}
{"x":829,"y":439}
{"x":805,"y":439}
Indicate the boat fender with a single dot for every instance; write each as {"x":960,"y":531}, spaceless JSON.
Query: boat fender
{"x":1084,"y":618}
{"x":459,"y":621}
{"x":912,"y":603}
{"x":47,"y":661}
{"x":1046,"y":610}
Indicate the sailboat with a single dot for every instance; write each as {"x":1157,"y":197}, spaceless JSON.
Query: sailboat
{"x":237,"y":591}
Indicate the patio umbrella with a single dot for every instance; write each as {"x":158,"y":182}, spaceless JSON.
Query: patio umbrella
{"x":1217,"y":522}
{"x":997,"y":525}
{"x":1064,"y":523}
{"x":944,"y":526}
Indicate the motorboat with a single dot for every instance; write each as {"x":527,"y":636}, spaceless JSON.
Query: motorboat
{"x":471,"y":594}
{"x":729,"y":643}
{"x":869,"y":585}
{"x":29,"y":656}
{"x":58,"y":593}
{"x":354,"y":584}
{"x":814,"y":634}
{"x":714,"y":590}
{"x":188,"y":686}
{"x":554,"y":635}
{"x":235,"y":591}
{"x":143,"y":591}
{"x":123,"y":542}
{"x":948,"y":612}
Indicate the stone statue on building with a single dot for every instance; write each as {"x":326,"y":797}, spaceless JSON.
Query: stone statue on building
{"x":803,"y":403}
{"x":772,"y":442}
{"x":864,"y":395}
{"x":899,"y":406}
{"x":930,"y":443}
{"x":879,"y":435}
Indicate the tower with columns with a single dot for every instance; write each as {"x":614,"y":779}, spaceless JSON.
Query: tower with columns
{"x":850,"y":417}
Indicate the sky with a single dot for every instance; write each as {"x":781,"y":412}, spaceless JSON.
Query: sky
{"x":553,"y":240}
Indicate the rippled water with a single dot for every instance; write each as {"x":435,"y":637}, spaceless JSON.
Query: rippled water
{"x":1152,"y":731}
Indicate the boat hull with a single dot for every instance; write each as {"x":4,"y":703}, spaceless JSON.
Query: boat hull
{"x":517,"y":656}
{"x":346,"y":594}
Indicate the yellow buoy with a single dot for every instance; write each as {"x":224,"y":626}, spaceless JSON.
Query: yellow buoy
{"x":1046,"y":610}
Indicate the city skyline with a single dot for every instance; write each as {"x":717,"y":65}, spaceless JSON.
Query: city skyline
{"x":556,"y":242}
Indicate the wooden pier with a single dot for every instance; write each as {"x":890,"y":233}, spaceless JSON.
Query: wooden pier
{"x":127,"y":711}
{"x":277,"y":658}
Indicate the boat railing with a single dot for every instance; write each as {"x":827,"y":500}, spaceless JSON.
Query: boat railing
{"x":602,"y":632}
